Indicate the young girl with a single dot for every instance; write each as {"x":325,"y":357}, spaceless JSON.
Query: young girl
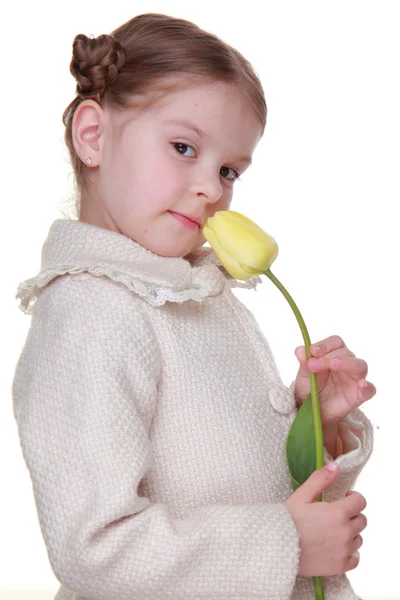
{"x":151,"y":415}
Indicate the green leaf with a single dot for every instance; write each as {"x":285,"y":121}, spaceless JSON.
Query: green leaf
{"x":300,"y":445}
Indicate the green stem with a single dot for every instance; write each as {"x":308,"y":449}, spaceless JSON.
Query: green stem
{"x":319,"y":588}
{"x":319,"y":439}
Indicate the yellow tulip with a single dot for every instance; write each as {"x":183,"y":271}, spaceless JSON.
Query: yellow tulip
{"x":244,"y":249}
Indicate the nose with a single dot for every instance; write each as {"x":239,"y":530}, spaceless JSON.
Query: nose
{"x":207,"y":184}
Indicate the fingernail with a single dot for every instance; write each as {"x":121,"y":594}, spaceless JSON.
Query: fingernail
{"x":316,"y":350}
{"x":332,"y":466}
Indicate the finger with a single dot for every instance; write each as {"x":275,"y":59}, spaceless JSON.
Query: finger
{"x":354,"y":504}
{"x":317,"y":482}
{"x":357,"y":543}
{"x":353,"y":561}
{"x":367,"y":390}
{"x":333,"y":342}
{"x":300,"y":353}
{"x":358,"y":524}
{"x":356,"y":368}
{"x":339,"y":353}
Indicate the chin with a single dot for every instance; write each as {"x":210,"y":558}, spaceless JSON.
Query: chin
{"x":174,"y":249}
{"x":170,"y":252}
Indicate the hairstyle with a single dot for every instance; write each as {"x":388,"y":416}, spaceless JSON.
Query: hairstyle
{"x":146,"y":57}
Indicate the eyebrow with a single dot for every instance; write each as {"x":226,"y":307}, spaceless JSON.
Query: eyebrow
{"x":201,"y":133}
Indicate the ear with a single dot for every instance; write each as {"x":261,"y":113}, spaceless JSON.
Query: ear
{"x":87,"y":131}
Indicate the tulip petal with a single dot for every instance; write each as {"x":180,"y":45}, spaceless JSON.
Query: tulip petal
{"x":234,"y":268}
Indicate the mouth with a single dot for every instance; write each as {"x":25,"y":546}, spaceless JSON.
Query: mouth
{"x":188,"y":220}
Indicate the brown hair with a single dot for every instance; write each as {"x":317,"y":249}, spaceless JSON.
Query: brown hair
{"x":138,"y":57}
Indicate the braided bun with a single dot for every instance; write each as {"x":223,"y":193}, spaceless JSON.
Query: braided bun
{"x":95,"y":64}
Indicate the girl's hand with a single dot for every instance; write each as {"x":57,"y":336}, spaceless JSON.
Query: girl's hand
{"x":329,"y":531}
{"x":341,"y":379}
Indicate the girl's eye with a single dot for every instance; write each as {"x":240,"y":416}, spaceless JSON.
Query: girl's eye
{"x":235,"y":173}
{"x":182,"y":148}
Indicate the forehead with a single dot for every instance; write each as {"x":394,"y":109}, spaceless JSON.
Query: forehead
{"x":217,"y":111}
{"x":214,"y":110}
{"x":209,"y":101}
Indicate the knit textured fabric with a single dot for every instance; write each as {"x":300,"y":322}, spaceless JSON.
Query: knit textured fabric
{"x":153,"y":421}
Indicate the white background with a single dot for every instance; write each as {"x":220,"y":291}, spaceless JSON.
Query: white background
{"x":324,"y":183}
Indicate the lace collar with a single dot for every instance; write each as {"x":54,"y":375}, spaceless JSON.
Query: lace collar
{"x":76,"y":247}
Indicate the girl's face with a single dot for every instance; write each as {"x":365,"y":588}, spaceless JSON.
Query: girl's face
{"x":164,"y":170}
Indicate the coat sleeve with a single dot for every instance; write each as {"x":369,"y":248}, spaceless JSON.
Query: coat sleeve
{"x":84,"y":394}
{"x":357,"y":435}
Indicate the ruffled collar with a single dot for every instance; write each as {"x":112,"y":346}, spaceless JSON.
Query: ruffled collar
{"x":76,"y":247}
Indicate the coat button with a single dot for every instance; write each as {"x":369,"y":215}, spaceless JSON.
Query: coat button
{"x":282,"y":399}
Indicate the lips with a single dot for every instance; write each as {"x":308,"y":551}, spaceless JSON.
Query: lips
{"x":193,"y":218}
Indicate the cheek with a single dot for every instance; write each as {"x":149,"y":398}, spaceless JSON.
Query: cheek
{"x":167,"y":183}
{"x":168,"y":172}
{"x":223,"y":203}
{"x":117,"y":175}
{"x":226,"y":202}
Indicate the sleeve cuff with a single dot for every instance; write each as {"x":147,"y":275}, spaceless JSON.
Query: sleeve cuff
{"x":357,"y":435}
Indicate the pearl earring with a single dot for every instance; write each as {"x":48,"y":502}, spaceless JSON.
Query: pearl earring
{"x":88,"y":162}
